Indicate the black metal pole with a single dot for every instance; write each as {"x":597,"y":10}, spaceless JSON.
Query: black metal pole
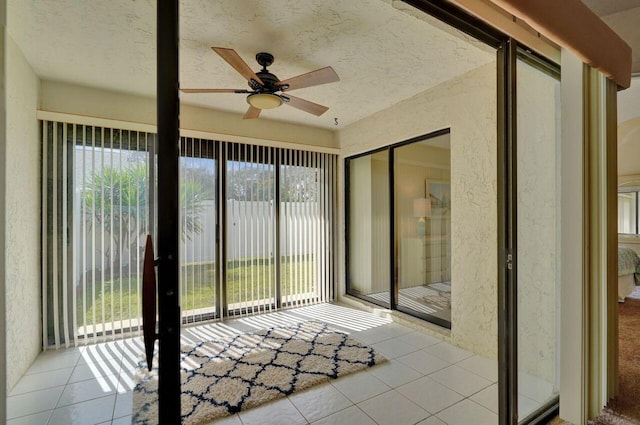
{"x":393,"y":254}
{"x":221,"y":284}
{"x":507,"y":237}
{"x":168,"y":109}
{"x":277,"y":161}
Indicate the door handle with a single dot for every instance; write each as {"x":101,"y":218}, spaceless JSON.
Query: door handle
{"x":149,"y":301}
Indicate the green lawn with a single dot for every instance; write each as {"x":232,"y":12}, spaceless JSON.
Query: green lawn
{"x":246,"y":281}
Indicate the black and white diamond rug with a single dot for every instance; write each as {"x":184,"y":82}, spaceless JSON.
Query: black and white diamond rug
{"x":224,"y":376}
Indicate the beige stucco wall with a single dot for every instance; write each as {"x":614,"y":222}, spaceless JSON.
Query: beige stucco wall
{"x":629,"y":148}
{"x":22,"y":209}
{"x":466,"y":105}
{"x":89,"y":101}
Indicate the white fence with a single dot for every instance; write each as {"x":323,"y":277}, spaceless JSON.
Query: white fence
{"x":250,"y":227}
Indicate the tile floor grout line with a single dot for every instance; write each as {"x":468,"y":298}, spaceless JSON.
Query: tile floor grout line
{"x":333,"y":413}
{"x":366,"y":414}
{"x":298,"y":410}
{"x":389,"y":334}
{"x":56,"y":405}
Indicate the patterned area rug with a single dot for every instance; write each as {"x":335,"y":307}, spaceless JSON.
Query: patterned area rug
{"x":224,"y":376}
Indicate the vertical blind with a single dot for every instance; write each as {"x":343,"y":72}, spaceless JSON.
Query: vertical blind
{"x":95,"y":213}
{"x":250,"y":228}
{"x":257,"y":229}
{"x":279,"y":227}
{"x":304,"y":194}
{"x":198,"y":223}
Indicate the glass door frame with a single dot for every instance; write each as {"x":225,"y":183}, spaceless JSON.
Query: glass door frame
{"x":347,"y":202}
{"x":508,"y":55}
{"x":168,"y":113}
{"x":212,"y":153}
{"x":250,"y":154}
{"x":508,"y":50}
{"x":262,"y":155}
{"x":393,"y":236}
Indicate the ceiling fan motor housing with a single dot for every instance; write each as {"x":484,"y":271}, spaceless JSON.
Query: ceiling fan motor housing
{"x":269,"y":81}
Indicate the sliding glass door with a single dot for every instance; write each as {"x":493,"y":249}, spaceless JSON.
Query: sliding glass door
{"x":256,"y":227}
{"x":422,"y":183}
{"x":198,"y":223}
{"x":368,"y":228}
{"x":303,"y":258}
{"x":97,"y":213}
{"x":400,"y":197}
{"x":250,"y":283}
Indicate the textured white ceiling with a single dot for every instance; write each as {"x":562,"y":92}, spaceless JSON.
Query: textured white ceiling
{"x":381,"y":54}
{"x":629,"y":102}
{"x":607,"y":7}
{"x":623,"y":17}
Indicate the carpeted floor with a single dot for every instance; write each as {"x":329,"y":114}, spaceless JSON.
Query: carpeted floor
{"x":625,"y":409}
{"x":607,"y":417}
{"x":628,"y":401}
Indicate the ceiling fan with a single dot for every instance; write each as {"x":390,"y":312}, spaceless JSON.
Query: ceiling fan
{"x":267,"y":91}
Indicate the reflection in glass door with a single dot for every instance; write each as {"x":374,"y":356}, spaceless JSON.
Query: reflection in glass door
{"x":369,"y":241}
{"x":422,"y":179}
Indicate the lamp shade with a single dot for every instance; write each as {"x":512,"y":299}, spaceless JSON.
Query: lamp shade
{"x":422,"y":207}
{"x":264,"y":100}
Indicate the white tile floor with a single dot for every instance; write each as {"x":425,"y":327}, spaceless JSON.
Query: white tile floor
{"x":426,"y":381}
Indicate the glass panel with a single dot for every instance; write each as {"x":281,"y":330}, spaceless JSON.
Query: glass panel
{"x":627,"y":212}
{"x":250,"y":213}
{"x":538,"y":232}
{"x":423,"y":225}
{"x":111,"y":186}
{"x":198,"y":227}
{"x":299,"y":219}
{"x":369,"y":241}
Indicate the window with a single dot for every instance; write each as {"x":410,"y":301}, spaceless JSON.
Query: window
{"x":265,"y":214}
{"x":628,"y":212}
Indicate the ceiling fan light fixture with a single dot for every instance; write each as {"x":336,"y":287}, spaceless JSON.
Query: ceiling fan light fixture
{"x":264,"y":100}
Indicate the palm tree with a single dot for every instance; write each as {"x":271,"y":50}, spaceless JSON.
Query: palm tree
{"x":117,"y":199}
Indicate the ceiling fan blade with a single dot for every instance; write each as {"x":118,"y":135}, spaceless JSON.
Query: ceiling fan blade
{"x":251,"y":113}
{"x":237,"y":63}
{"x":214,"y":91}
{"x":305,"y":105}
{"x":313,"y":78}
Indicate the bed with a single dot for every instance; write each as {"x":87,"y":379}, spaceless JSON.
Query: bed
{"x":628,"y":272}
